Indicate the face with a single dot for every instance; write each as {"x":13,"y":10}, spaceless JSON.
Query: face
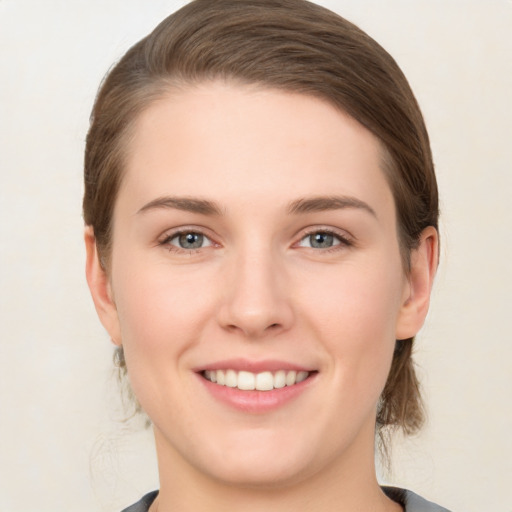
{"x":256,"y":282}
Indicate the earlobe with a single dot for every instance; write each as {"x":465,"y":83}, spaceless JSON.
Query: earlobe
{"x":423,"y":266}
{"x":100,"y":288}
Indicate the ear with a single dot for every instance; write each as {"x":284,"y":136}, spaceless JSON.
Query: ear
{"x":416,"y":299}
{"x":100,"y":287}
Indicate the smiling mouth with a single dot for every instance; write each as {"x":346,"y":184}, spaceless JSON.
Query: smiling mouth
{"x":248,"y":381}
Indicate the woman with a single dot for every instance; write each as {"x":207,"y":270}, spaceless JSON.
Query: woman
{"x":261,"y":233}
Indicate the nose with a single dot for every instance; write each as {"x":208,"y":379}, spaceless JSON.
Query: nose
{"x":256,"y":300}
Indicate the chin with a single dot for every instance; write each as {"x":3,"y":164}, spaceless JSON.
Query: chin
{"x":261,"y":460}
{"x":259,"y":474}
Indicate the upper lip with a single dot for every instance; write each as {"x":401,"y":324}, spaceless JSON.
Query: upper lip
{"x":269,"y":365}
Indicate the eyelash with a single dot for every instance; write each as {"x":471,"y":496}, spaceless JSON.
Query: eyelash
{"x":166,"y":242}
{"x":343,"y":240}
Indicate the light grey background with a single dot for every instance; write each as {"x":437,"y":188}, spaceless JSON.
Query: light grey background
{"x":61,"y":446}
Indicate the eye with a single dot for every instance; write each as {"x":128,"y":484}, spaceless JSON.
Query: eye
{"x":188,"y":240}
{"x":323,"y":240}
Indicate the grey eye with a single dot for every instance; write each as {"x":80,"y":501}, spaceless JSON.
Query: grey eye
{"x":321,"y":240}
{"x":190,"y":240}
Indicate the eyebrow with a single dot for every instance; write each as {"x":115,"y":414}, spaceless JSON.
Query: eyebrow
{"x":189,"y":204}
{"x":320,"y":204}
{"x":303,"y":205}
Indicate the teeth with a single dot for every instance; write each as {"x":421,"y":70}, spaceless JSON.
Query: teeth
{"x":231,"y":379}
{"x":280,"y":379}
{"x":264,"y":381}
{"x":291,"y":378}
{"x":248,"y":381}
{"x":301,"y":376}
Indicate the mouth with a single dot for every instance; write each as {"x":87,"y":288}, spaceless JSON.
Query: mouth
{"x":256,"y":386}
{"x":262,"y":381}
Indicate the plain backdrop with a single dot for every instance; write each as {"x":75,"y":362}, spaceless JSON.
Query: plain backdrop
{"x":62,"y":444}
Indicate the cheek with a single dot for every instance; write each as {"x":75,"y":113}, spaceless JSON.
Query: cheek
{"x":355,"y":309}
{"x":162,"y":315}
{"x":158,"y":308}
{"x":364,"y":300}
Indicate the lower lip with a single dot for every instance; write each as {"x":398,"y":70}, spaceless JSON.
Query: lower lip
{"x":257,"y":401}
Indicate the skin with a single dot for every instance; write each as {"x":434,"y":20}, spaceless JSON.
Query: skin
{"x":259,"y":290}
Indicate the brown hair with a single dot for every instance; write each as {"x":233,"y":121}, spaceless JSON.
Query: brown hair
{"x":292,"y":45}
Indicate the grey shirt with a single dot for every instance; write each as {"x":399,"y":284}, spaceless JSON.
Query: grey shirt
{"x":410,"y":501}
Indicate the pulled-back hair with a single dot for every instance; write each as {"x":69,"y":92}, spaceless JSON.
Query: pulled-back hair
{"x":290,"y":45}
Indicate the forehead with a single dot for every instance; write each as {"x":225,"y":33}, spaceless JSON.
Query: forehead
{"x":237,"y":142}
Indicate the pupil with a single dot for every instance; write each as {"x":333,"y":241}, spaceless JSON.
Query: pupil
{"x":321,"y":240}
{"x":191,"y":240}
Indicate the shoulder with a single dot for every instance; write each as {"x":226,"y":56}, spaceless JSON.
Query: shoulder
{"x":411,"y":501}
{"x":144,"y":504}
